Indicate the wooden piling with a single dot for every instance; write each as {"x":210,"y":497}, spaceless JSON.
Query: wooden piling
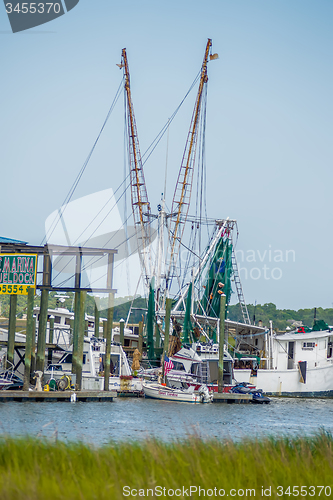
{"x":168,"y":305}
{"x":140,"y":346}
{"x":80,"y":340}
{"x":108,"y":343}
{"x":122,"y":328}
{"x":105,"y":327}
{"x":42,"y":324}
{"x":30,"y":334}
{"x":221,"y":343}
{"x":75,"y":331}
{"x":33,"y":349}
{"x":51,"y":335}
{"x":97,"y":304}
{"x":11,"y":330}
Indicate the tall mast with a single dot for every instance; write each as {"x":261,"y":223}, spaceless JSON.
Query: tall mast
{"x":182,"y":195}
{"x":139,"y":197}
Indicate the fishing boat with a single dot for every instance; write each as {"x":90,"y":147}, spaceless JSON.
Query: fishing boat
{"x":184,"y":394}
{"x":296,"y":363}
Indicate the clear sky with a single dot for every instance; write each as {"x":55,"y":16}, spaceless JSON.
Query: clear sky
{"x":269,"y":130}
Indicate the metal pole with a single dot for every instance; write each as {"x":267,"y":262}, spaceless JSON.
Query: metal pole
{"x":97,"y":304}
{"x":108,"y":343}
{"x":11,"y":330}
{"x":30,"y":332}
{"x":40,"y":358}
{"x":80,"y":340}
{"x":221,"y":343}
{"x":121,"y":334}
{"x":168,"y":305}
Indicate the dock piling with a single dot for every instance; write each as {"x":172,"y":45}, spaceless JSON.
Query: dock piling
{"x":108,"y":343}
{"x":11,"y":330}
{"x":42,"y":324}
{"x":221,"y":343}
{"x":30,"y":333}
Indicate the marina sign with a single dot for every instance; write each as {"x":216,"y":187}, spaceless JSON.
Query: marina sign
{"x":17,"y":273}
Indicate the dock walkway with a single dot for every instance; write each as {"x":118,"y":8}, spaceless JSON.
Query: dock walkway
{"x":20,"y":396}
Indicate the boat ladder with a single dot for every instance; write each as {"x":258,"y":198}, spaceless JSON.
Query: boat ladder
{"x":238,"y":284}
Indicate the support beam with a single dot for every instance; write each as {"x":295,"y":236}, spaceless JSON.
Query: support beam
{"x":11,"y":330}
{"x":30,"y":333}
{"x":108,"y":343}
{"x":221,"y":343}
{"x":41,"y":343}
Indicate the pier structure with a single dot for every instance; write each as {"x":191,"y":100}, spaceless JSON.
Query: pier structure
{"x":47,"y":255}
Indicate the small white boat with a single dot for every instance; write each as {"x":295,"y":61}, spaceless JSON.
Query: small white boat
{"x":184,"y":395}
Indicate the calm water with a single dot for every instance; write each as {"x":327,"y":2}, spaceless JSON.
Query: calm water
{"x":135,"y":419}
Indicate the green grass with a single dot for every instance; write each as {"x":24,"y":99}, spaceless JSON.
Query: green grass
{"x":36,"y":469}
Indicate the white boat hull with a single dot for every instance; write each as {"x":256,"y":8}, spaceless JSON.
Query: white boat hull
{"x":158,"y":391}
{"x":319,"y":381}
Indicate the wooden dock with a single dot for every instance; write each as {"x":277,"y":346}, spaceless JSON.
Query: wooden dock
{"x":21,"y":396}
{"x":229,"y":398}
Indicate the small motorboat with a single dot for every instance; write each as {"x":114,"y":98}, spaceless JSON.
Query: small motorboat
{"x":257,"y":395}
{"x":185,"y":394}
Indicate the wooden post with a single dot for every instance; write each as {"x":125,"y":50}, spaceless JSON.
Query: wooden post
{"x":51,"y":334}
{"x":121,"y":334}
{"x":86,"y":327}
{"x":11,"y":330}
{"x":105,"y":327}
{"x":30,"y":333}
{"x":80,"y":340}
{"x":168,"y":304}
{"x":71,"y":331}
{"x":108,"y":343}
{"x":40,"y":358}
{"x":97,"y":304}
{"x":33,"y":350}
{"x":221,"y":343}
{"x":140,"y":346}
{"x":76,"y":331}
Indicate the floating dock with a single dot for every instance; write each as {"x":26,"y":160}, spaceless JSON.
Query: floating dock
{"x":21,"y":396}
{"x":225,"y":397}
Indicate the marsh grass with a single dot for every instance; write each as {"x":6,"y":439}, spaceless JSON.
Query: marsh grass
{"x":38,"y":469}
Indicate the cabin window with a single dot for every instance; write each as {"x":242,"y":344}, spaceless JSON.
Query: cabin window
{"x":57,"y":319}
{"x":67,"y":359}
{"x":178,"y":366}
{"x":67,"y":321}
{"x":126,"y":342}
{"x":256,"y":342}
{"x":308,"y":346}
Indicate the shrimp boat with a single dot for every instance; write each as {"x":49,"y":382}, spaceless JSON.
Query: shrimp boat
{"x":191,"y":280}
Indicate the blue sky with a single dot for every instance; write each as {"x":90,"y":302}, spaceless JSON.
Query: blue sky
{"x":269,"y":130}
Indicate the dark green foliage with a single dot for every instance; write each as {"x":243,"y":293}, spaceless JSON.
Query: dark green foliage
{"x":280,"y":317}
